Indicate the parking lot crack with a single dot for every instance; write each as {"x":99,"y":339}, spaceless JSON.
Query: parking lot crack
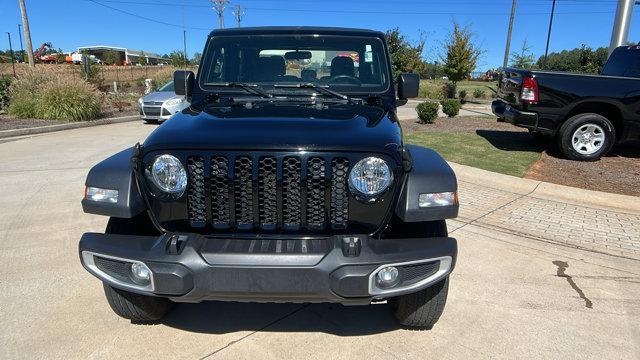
{"x":561,"y":272}
{"x":256,"y":331}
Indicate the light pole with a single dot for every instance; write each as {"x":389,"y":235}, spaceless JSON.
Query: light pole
{"x":506,"y":50}
{"x":546,"y":50}
{"x":20,"y":37}
{"x":621,"y":24}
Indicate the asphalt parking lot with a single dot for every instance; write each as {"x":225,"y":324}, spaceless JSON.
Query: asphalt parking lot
{"x":511,"y":296}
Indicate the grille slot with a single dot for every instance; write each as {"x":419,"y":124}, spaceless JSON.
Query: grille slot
{"x":268,"y":192}
{"x":316,"y":209}
{"x":220,"y":213}
{"x":291,"y":211}
{"x":196,"y":195}
{"x":339,"y":195}
{"x":267,"y":200}
{"x":243,"y":187}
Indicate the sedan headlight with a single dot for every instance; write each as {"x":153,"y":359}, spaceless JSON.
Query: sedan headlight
{"x":169,"y":175}
{"x":370,"y":176}
{"x":173,"y":102}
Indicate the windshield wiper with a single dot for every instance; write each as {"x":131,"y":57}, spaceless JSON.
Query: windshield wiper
{"x":253,"y":89}
{"x":318,"y":88}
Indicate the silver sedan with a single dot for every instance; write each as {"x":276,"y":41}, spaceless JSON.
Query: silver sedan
{"x":160,"y":105}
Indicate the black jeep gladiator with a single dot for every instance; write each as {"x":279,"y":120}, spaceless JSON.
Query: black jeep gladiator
{"x":586,"y":113}
{"x":286,"y":180}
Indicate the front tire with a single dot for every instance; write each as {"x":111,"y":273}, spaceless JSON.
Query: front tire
{"x":136,"y":307}
{"x":586,"y":137}
{"x":421,"y":309}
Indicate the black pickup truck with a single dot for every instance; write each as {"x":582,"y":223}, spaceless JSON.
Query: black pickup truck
{"x":586,"y":113}
{"x":285,"y":180}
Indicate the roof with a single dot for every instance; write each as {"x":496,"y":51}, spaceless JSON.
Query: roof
{"x":296,"y":30}
{"x":118,"y":48}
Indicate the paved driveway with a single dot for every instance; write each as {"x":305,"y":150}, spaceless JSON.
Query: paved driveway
{"x":512,"y":295}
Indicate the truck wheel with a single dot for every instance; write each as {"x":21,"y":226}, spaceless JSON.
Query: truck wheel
{"x":136,"y":307}
{"x":586,"y":137}
{"x":423,"y":308}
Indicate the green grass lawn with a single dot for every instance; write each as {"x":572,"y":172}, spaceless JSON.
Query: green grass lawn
{"x":498,"y":154}
{"x":432,"y":89}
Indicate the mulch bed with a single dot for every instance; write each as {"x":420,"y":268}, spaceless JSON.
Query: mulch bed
{"x":7,"y":123}
{"x":618,"y":172}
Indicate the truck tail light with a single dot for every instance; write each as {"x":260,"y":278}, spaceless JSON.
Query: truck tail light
{"x":529,"y":92}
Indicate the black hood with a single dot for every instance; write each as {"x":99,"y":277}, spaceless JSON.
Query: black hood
{"x":272,"y":126}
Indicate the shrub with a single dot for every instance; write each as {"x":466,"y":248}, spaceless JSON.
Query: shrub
{"x":4,"y":91}
{"x":449,"y":90}
{"x":462,"y":95}
{"x":427,"y":112}
{"x":45,"y":94}
{"x":451,"y":107}
{"x":162,"y":77}
{"x":478,"y":93}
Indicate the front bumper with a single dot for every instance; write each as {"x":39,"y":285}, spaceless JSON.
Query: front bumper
{"x":514,"y":116}
{"x":267,"y":269}
{"x":159,"y":111}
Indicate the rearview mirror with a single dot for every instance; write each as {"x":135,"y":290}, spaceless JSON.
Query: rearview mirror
{"x":408,"y":85}
{"x":297,"y":55}
{"x":183,"y":82}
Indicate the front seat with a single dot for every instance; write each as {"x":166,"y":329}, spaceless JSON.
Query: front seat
{"x":342,"y":65}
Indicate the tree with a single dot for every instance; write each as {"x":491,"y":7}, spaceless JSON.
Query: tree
{"x":405,"y":56}
{"x":523,"y":59}
{"x":461,"y":54}
{"x":61,"y":58}
{"x":582,"y":59}
{"x":142,"y":59}
{"x":196,"y":58}
{"x":112,"y":57}
{"x":178,"y":59}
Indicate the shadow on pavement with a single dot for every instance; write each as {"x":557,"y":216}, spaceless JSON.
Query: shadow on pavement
{"x":524,"y":141}
{"x":515,"y":140}
{"x":214,"y":317}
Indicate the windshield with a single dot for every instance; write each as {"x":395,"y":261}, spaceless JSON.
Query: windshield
{"x":343,"y":63}
{"x":167,"y":87}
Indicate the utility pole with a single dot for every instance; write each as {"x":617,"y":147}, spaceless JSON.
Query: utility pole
{"x":20,"y":37}
{"x":238,"y":13}
{"x":621,"y":24}
{"x":218,"y":6}
{"x":506,"y":51}
{"x":13,"y":61}
{"x":27,"y":33}
{"x":546,"y":50}
{"x":184,"y":40}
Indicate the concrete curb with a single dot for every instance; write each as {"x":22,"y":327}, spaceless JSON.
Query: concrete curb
{"x":547,"y":191}
{"x":66,"y":126}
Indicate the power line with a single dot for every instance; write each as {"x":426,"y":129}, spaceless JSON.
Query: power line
{"x":219,"y":7}
{"x":147,"y":18}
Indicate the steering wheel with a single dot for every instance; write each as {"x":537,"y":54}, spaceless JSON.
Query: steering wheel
{"x":344,"y":79}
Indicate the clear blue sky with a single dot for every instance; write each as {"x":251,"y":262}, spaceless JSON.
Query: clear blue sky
{"x":72,"y":23}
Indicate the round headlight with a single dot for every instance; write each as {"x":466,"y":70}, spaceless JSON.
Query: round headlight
{"x":169,"y":174}
{"x":370,"y":176}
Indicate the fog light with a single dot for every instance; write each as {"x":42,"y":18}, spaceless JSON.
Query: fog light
{"x":140,"y":273}
{"x":437,"y":199}
{"x":101,"y":195}
{"x":387,"y":277}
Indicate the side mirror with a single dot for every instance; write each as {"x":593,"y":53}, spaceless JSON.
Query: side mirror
{"x":183,"y":82}
{"x":408,"y":85}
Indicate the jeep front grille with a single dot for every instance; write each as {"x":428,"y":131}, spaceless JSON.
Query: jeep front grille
{"x":266,"y":192}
